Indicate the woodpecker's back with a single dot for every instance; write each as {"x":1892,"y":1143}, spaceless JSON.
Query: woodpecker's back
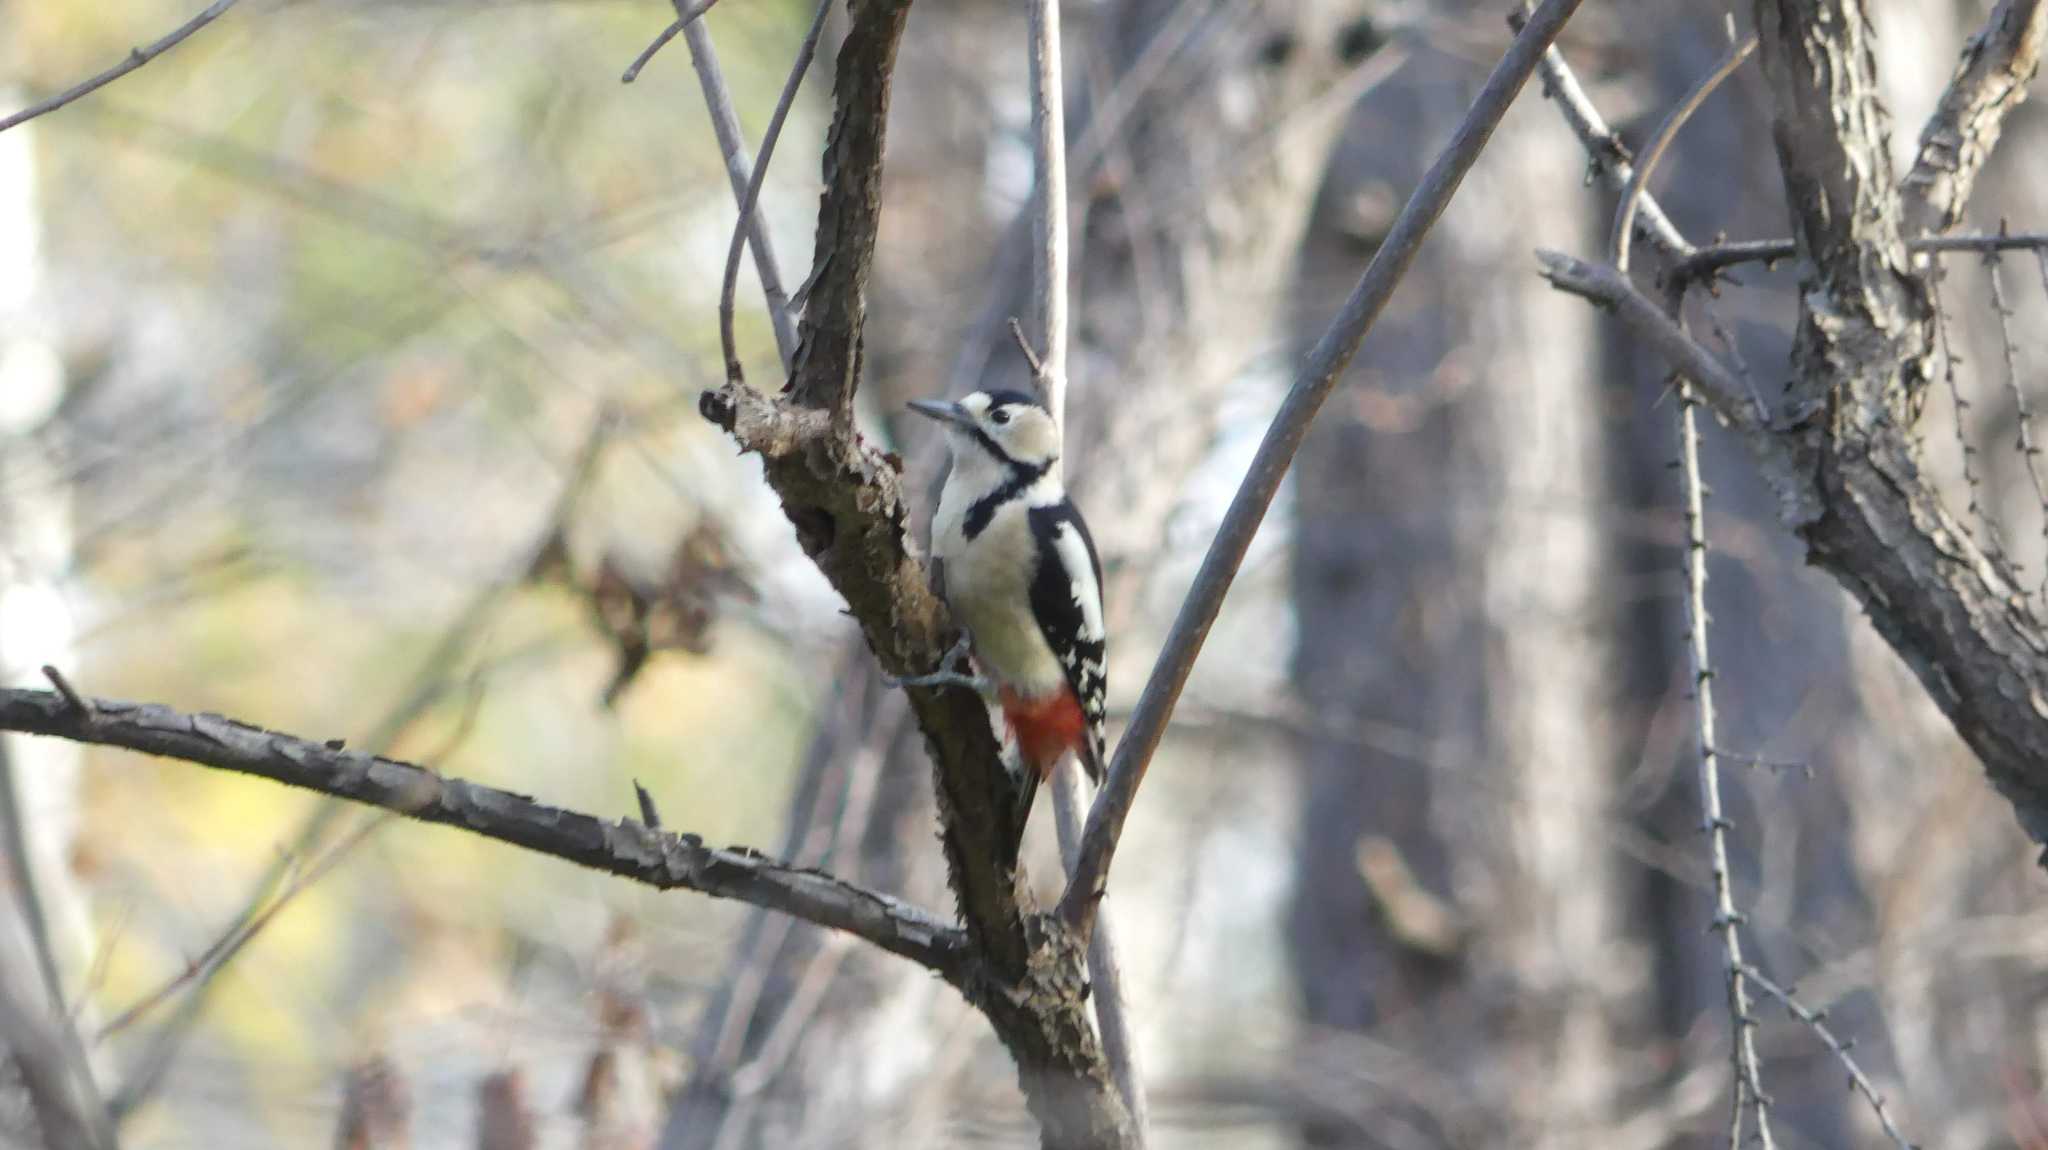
{"x":1019,"y":571}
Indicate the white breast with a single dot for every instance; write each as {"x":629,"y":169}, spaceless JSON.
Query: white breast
{"x":988,"y":588}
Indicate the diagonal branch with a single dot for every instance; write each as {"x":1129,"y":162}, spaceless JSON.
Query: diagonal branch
{"x":624,"y":847}
{"x":725,"y":124}
{"x":1608,"y":157}
{"x":1269,"y":466}
{"x":749,"y":221}
{"x":1606,"y":286}
{"x":136,"y":58}
{"x":1990,"y":81}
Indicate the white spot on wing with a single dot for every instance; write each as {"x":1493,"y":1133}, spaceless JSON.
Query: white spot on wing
{"x":1073,"y":553}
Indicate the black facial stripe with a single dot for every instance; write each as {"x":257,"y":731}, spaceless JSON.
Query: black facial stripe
{"x":982,"y":511}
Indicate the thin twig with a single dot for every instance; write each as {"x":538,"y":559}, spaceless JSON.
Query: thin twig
{"x":1816,"y":1021}
{"x":1994,"y":542}
{"x":725,"y":124}
{"x":1608,"y":157}
{"x":70,"y":693}
{"x":1049,"y":197}
{"x":1705,"y":263}
{"x":1105,"y":969}
{"x":1047,"y":355}
{"x":1660,"y":142}
{"x":1319,"y":377}
{"x":751,"y":198}
{"x":136,"y":58}
{"x":647,"y":54}
{"x":2029,"y":454}
{"x":1749,"y":1086}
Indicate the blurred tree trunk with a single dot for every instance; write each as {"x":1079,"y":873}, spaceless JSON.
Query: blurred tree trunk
{"x":1191,"y":209}
{"x":1458,"y":890}
{"x":48,"y":932}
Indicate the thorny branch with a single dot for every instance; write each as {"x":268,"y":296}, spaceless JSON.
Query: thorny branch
{"x":136,"y":58}
{"x":623,"y":847}
{"x":1816,"y":1021}
{"x":1990,"y":80}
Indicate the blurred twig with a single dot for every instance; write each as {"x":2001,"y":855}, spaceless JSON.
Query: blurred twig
{"x":749,"y":203}
{"x":426,"y":687}
{"x":725,"y":124}
{"x":682,"y":21}
{"x":136,"y":58}
{"x":1816,"y":1021}
{"x":1047,"y":355}
{"x":2024,"y":415}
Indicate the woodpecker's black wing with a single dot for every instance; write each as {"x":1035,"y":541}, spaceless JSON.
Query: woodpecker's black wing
{"x":1066,"y":599}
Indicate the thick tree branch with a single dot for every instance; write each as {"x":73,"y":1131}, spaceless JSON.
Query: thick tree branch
{"x":623,"y":847}
{"x":845,"y":498}
{"x":1990,"y":81}
{"x":1854,"y":489}
{"x":1269,"y":466}
{"x":828,"y":359}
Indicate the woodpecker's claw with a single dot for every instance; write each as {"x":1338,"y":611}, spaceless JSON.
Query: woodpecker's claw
{"x":945,"y":676}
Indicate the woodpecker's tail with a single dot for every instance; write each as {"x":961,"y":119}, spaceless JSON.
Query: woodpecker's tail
{"x":1027,"y":790}
{"x":1090,"y":753}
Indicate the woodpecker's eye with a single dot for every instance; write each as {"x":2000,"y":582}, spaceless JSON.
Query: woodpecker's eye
{"x":1000,"y":415}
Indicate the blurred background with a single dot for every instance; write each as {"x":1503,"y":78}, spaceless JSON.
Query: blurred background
{"x":349,"y":357}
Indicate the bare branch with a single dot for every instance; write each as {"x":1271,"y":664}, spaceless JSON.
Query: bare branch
{"x":1049,"y":282}
{"x":1660,"y":141}
{"x":1749,"y":1085}
{"x":1608,"y":156}
{"x":624,"y":848}
{"x":725,"y":124}
{"x":647,"y":54}
{"x":1269,"y":466}
{"x":136,"y":58}
{"x":2023,"y":412}
{"x":1607,"y":287}
{"x":1105,"y":968}
{"x":749,"y":199}
{"x":1816,"y":1021}
{"x":1049,"y":201}
{"x":1704,"y":264}
{"x":1990,"y":80}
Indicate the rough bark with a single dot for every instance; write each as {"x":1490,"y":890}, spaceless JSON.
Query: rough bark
{"x":1183,"y":215}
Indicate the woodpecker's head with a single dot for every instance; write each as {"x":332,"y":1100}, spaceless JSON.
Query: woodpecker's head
{"x":1001,"y":429}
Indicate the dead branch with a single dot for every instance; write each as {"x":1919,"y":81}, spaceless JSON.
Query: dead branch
{"x":623,"y":847}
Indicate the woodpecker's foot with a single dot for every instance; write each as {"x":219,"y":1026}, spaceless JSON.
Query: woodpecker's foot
{"x":946,"y":676}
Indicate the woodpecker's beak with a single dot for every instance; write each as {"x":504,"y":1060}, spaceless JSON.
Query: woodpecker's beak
{"x":941,"y":410}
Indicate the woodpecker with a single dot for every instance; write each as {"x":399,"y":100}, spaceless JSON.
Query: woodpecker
{"x":1015,"y":563}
